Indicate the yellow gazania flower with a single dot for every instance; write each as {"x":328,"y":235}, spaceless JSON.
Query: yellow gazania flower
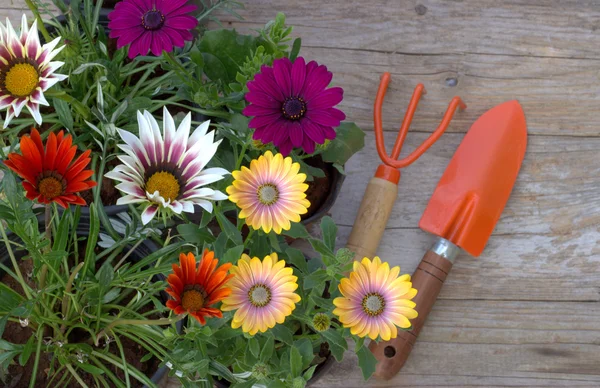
{"x":375,"y":300}
{"x":262,"y":292}
{"x":270,"y":193}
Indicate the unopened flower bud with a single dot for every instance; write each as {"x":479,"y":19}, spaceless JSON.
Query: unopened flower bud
{"x":321,"y":322}
{"x":260,"y":371}
{"x":298,"y":382}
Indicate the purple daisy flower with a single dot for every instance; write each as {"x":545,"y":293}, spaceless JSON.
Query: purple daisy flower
{"x":154,"y":25}
{"x":291,"y":105}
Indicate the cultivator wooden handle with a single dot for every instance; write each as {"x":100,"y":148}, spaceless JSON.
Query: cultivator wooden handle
{"x":372,"y":217}
{"x":428,"y":279}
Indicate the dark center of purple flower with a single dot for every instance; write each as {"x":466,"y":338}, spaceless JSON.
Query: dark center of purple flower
{"x":293,"y":108}
{"x":153,"y":20}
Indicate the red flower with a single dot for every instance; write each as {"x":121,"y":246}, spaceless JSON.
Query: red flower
{"x":50,"y":175}
{"x":196,"y":289}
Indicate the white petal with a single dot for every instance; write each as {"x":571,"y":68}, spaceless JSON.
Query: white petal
{"x":158,"y":140}
{"x":176,"y":207}
{"x":127,"y":199}
{"x":52,"y":67}
{"x":218,"y":196}
{"x":179,"y":145}
{"x":10,"y":114}
{"x":131,"y":188}
{"x":32,"y":41}
{"x":18,"y":106}
{"x":188,"y":207}
{"x":136,"y":145}
{"x":34,"y":109}
{"x":204,"y":192}
{"x":168,"y":130}
{"x":198,"y":133}
{"x":50,"y":46}
{"x":147,"y":137}
{"x":206,"y":205}
{"x":149,"y":213}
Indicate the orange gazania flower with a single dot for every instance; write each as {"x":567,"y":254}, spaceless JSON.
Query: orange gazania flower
{"x":50,"y":174}
{"x":196,"y":289}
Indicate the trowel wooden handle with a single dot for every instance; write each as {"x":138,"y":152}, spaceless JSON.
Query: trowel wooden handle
{"x":372,"y":217}
{"x":428,"y":279}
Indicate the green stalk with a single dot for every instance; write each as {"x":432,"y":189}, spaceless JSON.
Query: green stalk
{"x":36,"y":362}
{"x":40,"y":22}
{"x":76,"y":375}
{"x":82,"y":109}
{"x":134,"y":372}
{"x":214,"y":113}
{"x":158,"y":322}
{"x":13,"y":259}
{"x":133,"y":248}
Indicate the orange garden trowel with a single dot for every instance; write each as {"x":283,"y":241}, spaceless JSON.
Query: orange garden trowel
{"x":462,"y":212}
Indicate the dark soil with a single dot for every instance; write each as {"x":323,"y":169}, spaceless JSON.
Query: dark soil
{"x":319,"y":188}
{"x":108,"y":193}
{"x":20,"y":376}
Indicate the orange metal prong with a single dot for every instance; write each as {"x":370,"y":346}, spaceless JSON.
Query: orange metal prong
{"x":408,"y":116}
{"x":455,"y":103}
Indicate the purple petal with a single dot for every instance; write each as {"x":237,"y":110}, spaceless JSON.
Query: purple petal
{"x":144,"y":43}
{"x":179,"y":10}
{"x":127,"y":36}
{"x":124,"y":9}
{"x":296,"y":134}
{"x":281,"y":70}
{"x":156,"y":46}
{"x":285,"y":148}
{"x":149,"y":214}
{"x":323,"y":117}
{"x":308,"y":145}
{"x":328,"y":131}
{"x":261,"y":121}
{"x":255,"y":110}
{"x":298,"y":76}
{"x":313,"y":131}
{"x":174,"y":36}
{"x":182,"y":22}
{"x":263,"y":99}
{"x":171,"y":6}
{"x":326,"y":99}
{"x":338,"y":114}
{"x":281,"y":135}
{"x":265,"y":82}
{"x":316,"y":82}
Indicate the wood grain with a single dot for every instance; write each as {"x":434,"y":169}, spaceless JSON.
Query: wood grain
{"x":525,"y":313}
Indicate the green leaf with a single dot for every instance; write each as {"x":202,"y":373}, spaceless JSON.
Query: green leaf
{"x":6,"y":357}
{"x":147,"y":357}
{"x":246,"y":384}
{"x":366,"y":361}
{"x":3,"y":321}
{"x":233,"y":254}
{"x":309,"y":373}
{"x":267,"y":350}
{"x":297,"y":231}
{"x":196,"y":235}
{"x":274,"y":242}
{"x":27,"y":350}
{"x":92,"y":239}
{"x":349,"y":140}
{"x":254,"y":347}
{"x":230,"y":48}
{"x":295,"y":49}
{"x":321,"y":247}
{"x":230,"y":230}
{"x":329,"y":229}
{"x":337,"y":343}
{"x":316,"y":278}
{"x":111,"y":295}
{"x":92,"y":369}
{"x":297,"y":259}
{"x":295,"y":361}
{"x":105,"y":275}
{"x":5,"y":345}
{"x":9,"y":299}
{"x":240,"y":122}
{"x":306,"y":350}
{"x":64,"y":113}
{"x":284,"y":334}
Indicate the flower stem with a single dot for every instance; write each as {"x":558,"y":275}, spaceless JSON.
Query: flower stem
{"x":41,"y":27}
{"x":76,"y":375}
{"x":13,"y":259}
{"x":48,"y":230}
{"x":158,"y":322}
{"x":36,"y":361}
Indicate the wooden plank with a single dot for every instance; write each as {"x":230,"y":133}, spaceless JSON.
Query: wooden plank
{"x":543,"y":53}
{"x":495,"y":343}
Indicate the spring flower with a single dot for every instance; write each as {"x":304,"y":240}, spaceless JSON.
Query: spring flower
{"x":197,"y":287}
{"x":375,"y":300}
{"x":154,"y":25}
{"x":26,"y":70}
{"x":167,"y":173}
{"x":291,"y":105}
{"x":262,"y":293}
{"x":270,"y":193}
{"x":50,"y":174}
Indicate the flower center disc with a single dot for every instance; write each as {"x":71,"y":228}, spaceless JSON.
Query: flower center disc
{"x":259,"y":295}
{"x":50,"y":187}
{"x":165,"y":183}
{"x":267,"y":194}
{"x":153,"y":20}
{"x":293,"y":108}
{"x":21,"y":79}
{"x":373,"y":304}
{"x":192,"y":300}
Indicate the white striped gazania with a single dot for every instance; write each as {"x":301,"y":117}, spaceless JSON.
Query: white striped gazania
{"x":167,"y":174}
{"x":26,"y":70}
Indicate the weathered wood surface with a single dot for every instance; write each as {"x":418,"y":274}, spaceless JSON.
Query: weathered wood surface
{"x":527,"y":312}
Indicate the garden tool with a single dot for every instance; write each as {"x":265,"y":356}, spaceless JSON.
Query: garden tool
{"x":382,"y":190}
{"x":462,"y":212}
